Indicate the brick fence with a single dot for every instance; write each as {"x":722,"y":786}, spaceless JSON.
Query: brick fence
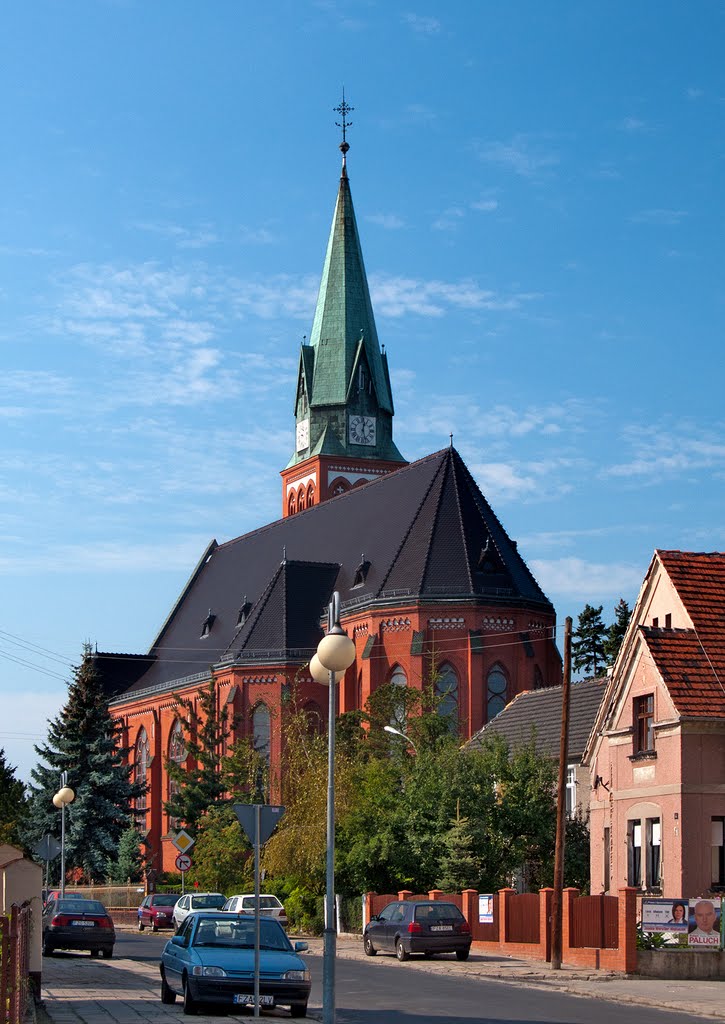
{"x":597,"y":931}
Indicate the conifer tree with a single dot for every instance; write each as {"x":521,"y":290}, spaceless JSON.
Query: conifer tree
{"x":128,"y":866}
{"x":83,"y":741}
{"x":588,"y":641}
{"x":199,"y":780}
{"x":459,"y":868}
{"x":615,"y":633}
{"x":13,"y":806}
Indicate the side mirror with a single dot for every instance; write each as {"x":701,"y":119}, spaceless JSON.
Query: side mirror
{"x":300,"y":947}
{"x":374,"y":917}
{"x":178,"y":940}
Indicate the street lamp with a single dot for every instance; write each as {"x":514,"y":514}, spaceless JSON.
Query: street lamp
{"x":62,"y":798}
{"x":397,"y":732}
{"x":335,"y":654}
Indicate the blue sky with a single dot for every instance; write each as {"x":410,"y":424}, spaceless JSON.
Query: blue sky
{"x":538,"y":189}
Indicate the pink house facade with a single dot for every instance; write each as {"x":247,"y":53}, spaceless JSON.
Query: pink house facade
{"x":657,"y":751}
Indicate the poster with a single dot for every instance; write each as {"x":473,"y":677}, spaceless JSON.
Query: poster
{"x":659,"y":915}
{"x":485,"y":909}
{"x":704,"y":924}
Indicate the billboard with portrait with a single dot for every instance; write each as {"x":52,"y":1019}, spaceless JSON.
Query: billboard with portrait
{"x":485,"y":908}
{"x":704,"y":924}
{"x":660,"y":915}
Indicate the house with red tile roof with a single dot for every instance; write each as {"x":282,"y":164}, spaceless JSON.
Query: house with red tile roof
{"x":657,"y":750}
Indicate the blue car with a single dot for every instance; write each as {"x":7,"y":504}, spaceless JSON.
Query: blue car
{"x":211,"y":960}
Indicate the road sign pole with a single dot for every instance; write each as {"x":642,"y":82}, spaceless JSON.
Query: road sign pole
{"x":257,"y":810}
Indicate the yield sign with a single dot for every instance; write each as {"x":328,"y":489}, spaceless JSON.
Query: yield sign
{"x":269,"y":818}
{"x":47,"y":848}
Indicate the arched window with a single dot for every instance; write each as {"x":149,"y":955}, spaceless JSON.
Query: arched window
{"x":301,"y":500}
{"x":538,"y":678}
{"x":446,"y":688}
{"x":292,"y":504}
{"x":177,"y":754}
{"x":139,"y":776}
{"x":339,"y":486}
{"x":261,"y":741}
{"x":310,"y":495}
{"x":496,"y":686}
{"x":398,"y":717}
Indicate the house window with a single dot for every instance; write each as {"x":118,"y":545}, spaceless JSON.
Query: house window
{"x":177,"y":754}
{"x":634,"y":853}
{"x":496,"y":697}
{"x":717,"y":848}
{"x":446,"y":690}
{"x":141,"y":767}
{"x":261,"y":741}
{"x":654,"y":848}
{"x":397,"y":718}
{"x":571,"y":790}
{"x":644,"y":713}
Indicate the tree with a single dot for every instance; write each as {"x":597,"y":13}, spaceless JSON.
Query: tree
{"x":459,"y":866}
{"x":616,"y":632}
{"x":588,"y":640}
{"x":128,"y":866}
{"x":83,"y":740}
{"x":222,"y":853}
{"x":13,"y":804}
{"x":206,"y":727}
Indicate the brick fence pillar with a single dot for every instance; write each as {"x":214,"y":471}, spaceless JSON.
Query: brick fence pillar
{"x":404,"y":894}
{"x":436,"y":894}
{"x":469,"y":906}
{"x":627,"y":924}
{"x":367,"y":907}
{"x":504,"y":896}
{"x":545,"y":896}
{"x":567,"y":912}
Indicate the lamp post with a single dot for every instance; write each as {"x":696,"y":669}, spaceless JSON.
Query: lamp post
{"x":397,"y":732}
{"x":335,"y":654}
{"x":62,"y":798}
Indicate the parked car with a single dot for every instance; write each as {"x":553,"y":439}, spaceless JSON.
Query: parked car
{"x":211,"y":960}
{"x":156,"y":911}
{"x":269,"y":906}
{"x":76,"y":923}
{"x":196,"y":901}
{"x":425,"y":926}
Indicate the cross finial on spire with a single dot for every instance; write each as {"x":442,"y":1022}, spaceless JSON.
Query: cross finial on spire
{"x":343,"y":110}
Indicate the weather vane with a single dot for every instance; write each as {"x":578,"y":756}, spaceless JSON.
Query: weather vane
{"x":343,"y":110}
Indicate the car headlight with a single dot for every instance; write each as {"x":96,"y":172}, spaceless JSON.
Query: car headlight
{"x":209,"y":972}
{"x":296,"y":976}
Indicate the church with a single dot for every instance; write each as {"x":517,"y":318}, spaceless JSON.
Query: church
{"x":424,"y":568}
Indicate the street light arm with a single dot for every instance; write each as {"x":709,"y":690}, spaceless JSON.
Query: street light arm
{"x":404,"y":736}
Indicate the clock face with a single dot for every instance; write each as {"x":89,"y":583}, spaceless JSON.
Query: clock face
{"x":362,"y":430}
{"x":303,"y":434}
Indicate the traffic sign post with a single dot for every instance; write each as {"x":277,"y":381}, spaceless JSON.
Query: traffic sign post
{"x":183,"y":862}
{"x":258,"y":822}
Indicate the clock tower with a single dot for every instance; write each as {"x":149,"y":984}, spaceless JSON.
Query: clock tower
{"x":343,"y":404}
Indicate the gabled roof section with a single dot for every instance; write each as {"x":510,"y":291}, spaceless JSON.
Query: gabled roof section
{"x":694,"y":676}
{"x":537,"y":714}
{"x":282,"y":621}
{"x":344,"y":313}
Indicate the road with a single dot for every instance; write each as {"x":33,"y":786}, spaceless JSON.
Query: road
{"x":382,"y":990}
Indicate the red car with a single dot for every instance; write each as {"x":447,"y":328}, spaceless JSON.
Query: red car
{"x":156,"y":911}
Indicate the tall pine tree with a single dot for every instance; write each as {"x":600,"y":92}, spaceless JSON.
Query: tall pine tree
{"x":12,"y":803}
{"x":83,"y":740}
{"x":615,"y":633}
{"x":588,"y":639}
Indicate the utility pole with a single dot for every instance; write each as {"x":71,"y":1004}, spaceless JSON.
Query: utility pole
{"x":557,"y":897}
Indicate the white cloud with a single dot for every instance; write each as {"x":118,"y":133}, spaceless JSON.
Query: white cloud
{"x":485,"y":205}
{"x":632,"y":125}
{"x":449,"y":219}
{"x":389,"y":221}
{"x":577,"y":579}
{"x":521,"y":154}
{"x":693,"y":93}
{"x":422,"y":25}
{"x":185,"y":238}
{"x":398,"y":296}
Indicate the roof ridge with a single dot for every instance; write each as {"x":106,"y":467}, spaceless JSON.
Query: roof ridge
{"x":464,"y":538}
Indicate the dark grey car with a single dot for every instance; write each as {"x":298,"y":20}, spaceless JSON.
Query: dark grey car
{"x":76,"y":923}
{"x":423,"y":926}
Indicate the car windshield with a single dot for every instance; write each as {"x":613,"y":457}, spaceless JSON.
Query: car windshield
{"x":240,"y":934}
{"x":80,"y":907}
{"x":207,"y":902}
{"x":265,"y":903}
{"x":165,"y":899}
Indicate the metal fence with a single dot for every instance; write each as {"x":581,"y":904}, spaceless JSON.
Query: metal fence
{"x":15,"y":964}
{"x":110,"y":895}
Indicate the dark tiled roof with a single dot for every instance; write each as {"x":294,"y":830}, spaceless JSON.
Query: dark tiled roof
{"x":537,"y":713}
{"x":422,"y":529}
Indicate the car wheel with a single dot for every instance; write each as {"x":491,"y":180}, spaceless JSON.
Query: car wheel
{"x":95,"y":953}
{"x":370,"y":950}
{"x":401,"y":952}
{"x":154,"y":927}
{"x":298,"y":1010}
{"x":462,"y":954}
{"x":189,"y":1001}
{"x":107,"y":953}
{"x":140,"y":926}
{"x":167,"y":995}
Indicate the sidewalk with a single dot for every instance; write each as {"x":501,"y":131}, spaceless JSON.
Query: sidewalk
{"x":78,"y":990}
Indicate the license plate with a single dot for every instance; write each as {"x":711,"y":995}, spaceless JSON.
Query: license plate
{"x":441,"y":927}
{"x":84,"y":924}
{"x":246,"y":1000}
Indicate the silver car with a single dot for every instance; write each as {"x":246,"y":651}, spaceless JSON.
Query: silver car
{"x":269,"y":906}
{"x":196,"y":901}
